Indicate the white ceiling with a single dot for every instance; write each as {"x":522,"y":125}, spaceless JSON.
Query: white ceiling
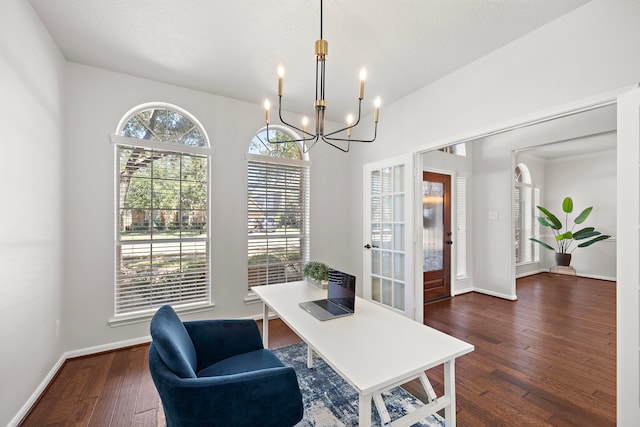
{"x":586,"y":133}
{"x":232,"y":48}
{"x":591,"y":144}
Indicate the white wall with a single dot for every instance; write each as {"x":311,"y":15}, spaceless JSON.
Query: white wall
{"x":590,"y":180}
{"x":31,"y":241}
{"x":97,"y":100}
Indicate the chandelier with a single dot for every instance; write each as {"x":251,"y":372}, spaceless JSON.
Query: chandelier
{"x":309,"y":139}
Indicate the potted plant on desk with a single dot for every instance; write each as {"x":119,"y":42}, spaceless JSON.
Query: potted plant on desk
{"x":564,"y":240}
{"x":317,"y":273}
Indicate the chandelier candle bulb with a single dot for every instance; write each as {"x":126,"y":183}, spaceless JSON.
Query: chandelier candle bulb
{"x":363,"y":77}
{"x":305,"y":123}
{"x":349,"y":122}
{"x":280,"y":78}
{"x":267,"y":108}
{"x":376,"y":111}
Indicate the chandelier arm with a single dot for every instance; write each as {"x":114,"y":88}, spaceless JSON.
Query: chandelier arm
{"x":375,"y":135}
{"x":349,"y":126}
{"x":261,"y":141}
{"x":285,"y":140}
{"x":337,"y":146}
{"x":306,"y":149}
{"x":304,"y":132}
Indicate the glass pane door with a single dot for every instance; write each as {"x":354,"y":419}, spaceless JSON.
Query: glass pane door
{"x":387,"y":268}
{"x":432,"y":225}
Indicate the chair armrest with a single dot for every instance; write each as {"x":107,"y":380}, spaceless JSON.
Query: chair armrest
{"x":215,"y":340}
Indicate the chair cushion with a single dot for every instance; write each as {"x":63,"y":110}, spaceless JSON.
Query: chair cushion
{"x":246,"y":362}
{"x":173,"y":343}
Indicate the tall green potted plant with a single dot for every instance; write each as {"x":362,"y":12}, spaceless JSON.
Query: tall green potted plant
{"x":565,"y":239}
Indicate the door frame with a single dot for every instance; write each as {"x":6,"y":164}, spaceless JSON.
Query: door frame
{"x":627,"y":252}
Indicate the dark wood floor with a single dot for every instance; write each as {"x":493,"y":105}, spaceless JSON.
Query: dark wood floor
{"x":546,"y":359}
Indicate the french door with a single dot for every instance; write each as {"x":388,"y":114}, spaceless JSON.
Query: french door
{"x":388,"y":233}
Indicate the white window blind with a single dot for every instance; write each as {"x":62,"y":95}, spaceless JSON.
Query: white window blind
{"x":162,"y":247}
{"x":278,"y":220}
{"x":461,"y":227}
{"x":518,"y":218}
{"x":526,"y":198}
{"x":536,"y":224}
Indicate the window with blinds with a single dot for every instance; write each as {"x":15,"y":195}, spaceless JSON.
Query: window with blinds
{"x":162,"y":240}
{"x":277,"y":211}
{"x":526,"y":196}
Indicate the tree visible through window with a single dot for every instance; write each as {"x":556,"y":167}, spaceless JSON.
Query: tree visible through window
{"x":277,"y":210}
{"x":162,"y":243}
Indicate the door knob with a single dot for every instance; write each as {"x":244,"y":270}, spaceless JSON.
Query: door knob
{"x":449,"y":242}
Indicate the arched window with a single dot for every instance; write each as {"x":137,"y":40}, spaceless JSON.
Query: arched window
{"x":526,"y":198}
{"x":277,"y":209}
{"x":162,"y":217}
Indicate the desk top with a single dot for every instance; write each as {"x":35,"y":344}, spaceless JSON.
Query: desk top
{"x":372,"y":349}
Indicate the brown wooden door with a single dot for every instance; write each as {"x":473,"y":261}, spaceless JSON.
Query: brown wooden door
{"x":436,"y":235}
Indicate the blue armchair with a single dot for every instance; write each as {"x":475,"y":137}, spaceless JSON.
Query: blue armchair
{"x":217,"y":373}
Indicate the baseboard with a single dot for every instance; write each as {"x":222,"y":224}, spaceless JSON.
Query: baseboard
{"x":106,"y":347}
{"x":595,"y":276}
{"x":588,"y":276}
{"x":496,"y":294}
{"x":463,"y":291}
{"x":37,"y":393}
{"x":531,"y":273}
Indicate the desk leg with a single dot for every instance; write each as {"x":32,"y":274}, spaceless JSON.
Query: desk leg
{"x":309,"y":357}
{"x":265,"y":325}
{"x":450,"y":391}
{"x":364,"y":410}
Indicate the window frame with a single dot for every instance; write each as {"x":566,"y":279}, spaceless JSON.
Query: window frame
{"x":522,"y":183}
{"x":304,"y":234}
{"x":119,"y":142}
{"x":462,"y":254}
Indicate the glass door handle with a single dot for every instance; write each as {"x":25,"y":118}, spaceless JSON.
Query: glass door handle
{"x":368,"y":246}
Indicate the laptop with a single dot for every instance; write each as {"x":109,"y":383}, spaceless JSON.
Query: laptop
{"x":341,"y":297}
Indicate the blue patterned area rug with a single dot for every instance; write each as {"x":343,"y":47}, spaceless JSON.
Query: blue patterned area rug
{"x":329,"y":401}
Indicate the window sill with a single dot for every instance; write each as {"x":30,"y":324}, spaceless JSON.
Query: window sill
{"x":130,"y":319}
{"x":525,"y":263}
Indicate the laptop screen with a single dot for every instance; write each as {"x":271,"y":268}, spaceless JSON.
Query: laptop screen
{"x":342,"y":289}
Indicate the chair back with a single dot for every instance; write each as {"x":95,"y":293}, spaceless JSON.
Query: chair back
{"x":172,"y":342}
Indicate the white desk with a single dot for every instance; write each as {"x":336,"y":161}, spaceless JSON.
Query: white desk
{"x":374,"y":350}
